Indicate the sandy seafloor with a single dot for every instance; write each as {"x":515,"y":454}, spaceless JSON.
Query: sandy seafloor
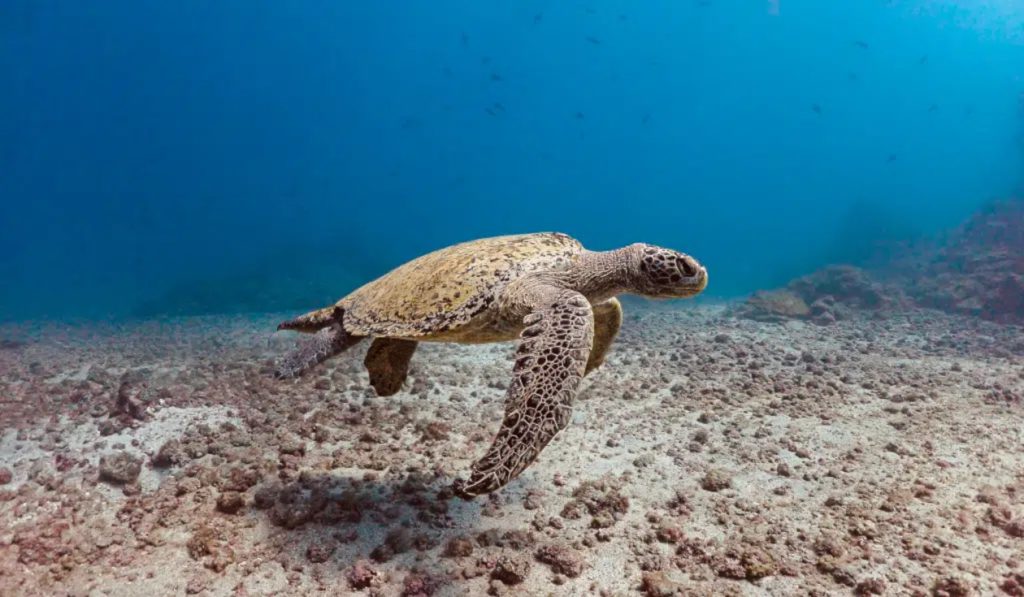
{"x":708,"y":456}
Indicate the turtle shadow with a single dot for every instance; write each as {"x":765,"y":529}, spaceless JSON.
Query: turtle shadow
{"x":347,"y":524}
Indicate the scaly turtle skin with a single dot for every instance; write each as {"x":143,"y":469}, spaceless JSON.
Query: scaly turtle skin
{"x":545,"y":289}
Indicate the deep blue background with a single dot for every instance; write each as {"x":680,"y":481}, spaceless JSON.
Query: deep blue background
{"x":144,"y":144}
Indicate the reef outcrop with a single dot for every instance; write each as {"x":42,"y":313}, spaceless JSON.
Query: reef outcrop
{"x":978,"y":270}
{"x":827,"y":295}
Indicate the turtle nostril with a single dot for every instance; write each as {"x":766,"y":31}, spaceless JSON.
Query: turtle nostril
{"x":688,"y":266}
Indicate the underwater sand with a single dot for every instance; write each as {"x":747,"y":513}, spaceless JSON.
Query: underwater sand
{"x":709,"y":455}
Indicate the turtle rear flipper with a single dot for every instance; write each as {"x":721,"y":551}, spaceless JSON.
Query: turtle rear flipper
{"x":326,"y":343}
{"x":387,"y":362}
{"x":313,"y":321}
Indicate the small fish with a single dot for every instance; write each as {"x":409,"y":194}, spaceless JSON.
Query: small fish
{"x":933,"y":108}
{"x":816,"y":109}
{"x":645,"y":118}
{"x":499,"y":106}
{"x":496,"y":77}
{"x":923,"y":60}
{"x":590,"y":10}
{"x":409,"y":123}
{"x":853,"y":77}
{"x":892,"y":158}
{"x":579,"y":116}
{"x":703,"y":2}
{"x":593,"y":40}
{"x":485,"y":60}
{"x":537,"y":18}
{"x":861,"y":44}
{"x":465,"y":38}
{"x":623,"y":18}
{"x":490,"y":111}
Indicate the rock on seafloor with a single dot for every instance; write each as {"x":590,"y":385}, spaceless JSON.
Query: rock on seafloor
{"x":120,"y":467}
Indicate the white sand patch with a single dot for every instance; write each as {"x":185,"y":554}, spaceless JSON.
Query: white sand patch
{"x":83,"y":441}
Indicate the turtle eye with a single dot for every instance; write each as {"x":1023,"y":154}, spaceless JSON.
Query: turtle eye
{"x":687,"y":266}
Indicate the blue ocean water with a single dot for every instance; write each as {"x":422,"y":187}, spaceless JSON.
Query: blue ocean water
{"x":161,"y":157}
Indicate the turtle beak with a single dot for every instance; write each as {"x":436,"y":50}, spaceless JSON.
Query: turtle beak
{"x":695,"y":278}
{"x":701,"y":280}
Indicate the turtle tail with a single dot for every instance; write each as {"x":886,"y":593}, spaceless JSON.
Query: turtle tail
{"x":313,"y":321}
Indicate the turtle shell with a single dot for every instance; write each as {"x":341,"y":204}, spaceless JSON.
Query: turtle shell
{"x":444,"y":290}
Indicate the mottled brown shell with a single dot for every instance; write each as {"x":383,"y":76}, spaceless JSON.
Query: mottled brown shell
{"x":437,"y":293}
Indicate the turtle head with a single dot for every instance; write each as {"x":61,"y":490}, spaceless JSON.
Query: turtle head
{"x":664,"y":273}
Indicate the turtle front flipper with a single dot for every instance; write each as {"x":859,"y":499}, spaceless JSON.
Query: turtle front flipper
{"x":550,"y":363}
{"x":607,"y":321}
{"x":387,"y":362}
{"x":326,"y":343}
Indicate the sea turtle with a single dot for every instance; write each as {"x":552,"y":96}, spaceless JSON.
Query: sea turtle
{"x":543,"y":288}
